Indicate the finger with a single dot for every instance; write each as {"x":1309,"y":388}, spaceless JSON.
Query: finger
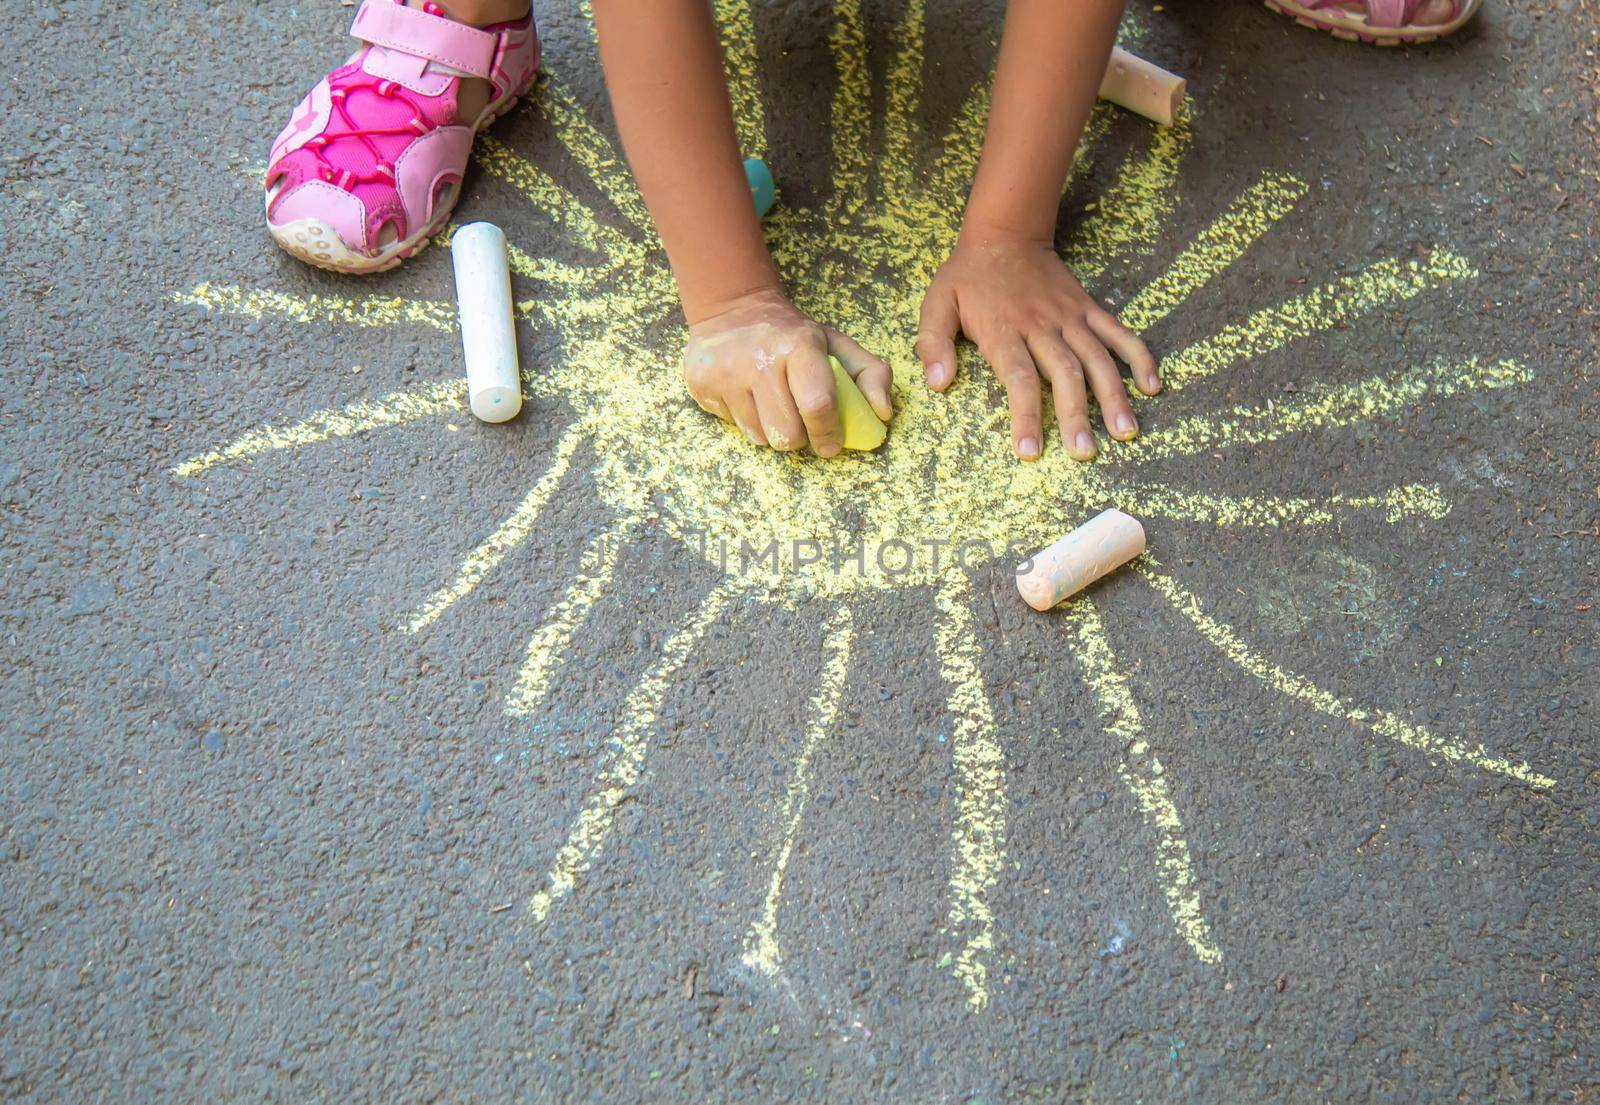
{"x":870,"y":373}
{"x":811,"y":382}
{"x":780,"y":422}
{"x":699,"y":378}
{"x":1065,"y":374}
{"x":1107,"y":384}
{"x":1130,"y":347}
{"x":742,"y":405}
{"x":1021,"y":379}
{"x":714,"y":406}
{"x":936,"y":336}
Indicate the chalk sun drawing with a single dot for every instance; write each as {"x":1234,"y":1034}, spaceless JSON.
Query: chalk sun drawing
{"x":860,"y":260}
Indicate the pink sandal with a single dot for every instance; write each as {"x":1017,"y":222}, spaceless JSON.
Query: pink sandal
{"x":370,"y":164}
{"x":1383,"y":22}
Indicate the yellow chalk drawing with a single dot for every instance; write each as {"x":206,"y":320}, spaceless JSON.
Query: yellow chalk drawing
{"x":852,"y":128}
{"x":762,"y":949}
{"x":373,"y":311}
{"x":595,"y":285}
{"x":903,"y":101}
{"x":979,"y":834}
{"x":1334,"y":304}
{"x":1343,"y":405}
{"x":594,"y":152}
{"x":1125,"y":223}
{"x":1381,"y":722}
{"x":1412,"y":500}
{"x":624,"y":765}
{"x":507,"y":536}
{"x":555,"y":634}
{"x":743,"y":66}
{"x":1143,"y":774}
{"x":1216,"y":247}
{"x":395,"y":409}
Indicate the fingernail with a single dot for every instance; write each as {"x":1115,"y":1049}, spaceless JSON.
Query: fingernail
{"x":1085,"y":443}
{"x":1126,"y":425}
{"x":1028,"y":447}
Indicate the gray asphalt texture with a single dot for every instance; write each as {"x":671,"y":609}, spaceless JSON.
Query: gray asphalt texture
{"x":255,"y":839}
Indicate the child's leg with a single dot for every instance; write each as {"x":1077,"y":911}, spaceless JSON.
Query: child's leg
{"x":370,"y":164}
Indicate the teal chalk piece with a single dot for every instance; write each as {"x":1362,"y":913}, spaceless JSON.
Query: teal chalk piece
{"x":762,"y":187}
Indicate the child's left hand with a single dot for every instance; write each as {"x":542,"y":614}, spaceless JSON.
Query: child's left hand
{"x":1030,"y":317}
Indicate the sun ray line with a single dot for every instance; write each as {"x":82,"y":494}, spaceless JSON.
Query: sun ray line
{"x":374,"y":311}
{"x":1382,"y":284}
{"x":851,"y":128}
{"x":563,"y":620}
{"x":596,"y":153}
{"x":979,"y":834}
{"x":510,"y":533}
{"x":547,"y":270}
{"x":742,"y":64}
{"x":903,"y":102}
{"x":1094,"y":132}
{"x":395,"y":409}
{"x":1415,"y":500}
{"x":379,"y":311}
{"x":952,"y":172}
{"x":1142,"y":773}
{"x":1253,"y":212}
{"x":762,"y":949}
{"x":560,"y":205}
{"x":1382,"y":722}
{"x":1130,"y":214}
{"x":1361,"y":401}
{"x":624,"y":765}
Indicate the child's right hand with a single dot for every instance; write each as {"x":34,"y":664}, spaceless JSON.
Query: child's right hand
{"x":761,"y":363}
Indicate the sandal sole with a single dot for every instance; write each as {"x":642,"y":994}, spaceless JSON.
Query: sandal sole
{"x":1381,"y":36}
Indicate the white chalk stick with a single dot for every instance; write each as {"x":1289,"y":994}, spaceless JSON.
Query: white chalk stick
{"x":1108,"y":540}
{"x":483,"y":294}
{"x":1142,"y":88}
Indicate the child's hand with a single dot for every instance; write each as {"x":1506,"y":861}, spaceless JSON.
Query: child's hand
{"x":761,"y":363}
{"x":1030,"y":318}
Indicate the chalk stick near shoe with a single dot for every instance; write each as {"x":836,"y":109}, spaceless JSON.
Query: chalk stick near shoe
{"x":1142,"y":88}
{"x":1105,"y":542}
{"x":483,"y":297}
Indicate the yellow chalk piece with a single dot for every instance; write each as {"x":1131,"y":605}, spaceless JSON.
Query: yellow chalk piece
{"x":862,"y":428}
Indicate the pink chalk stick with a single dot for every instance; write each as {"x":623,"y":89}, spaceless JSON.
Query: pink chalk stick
{"x":1142,"y":88}
{"x":1107,"y":541}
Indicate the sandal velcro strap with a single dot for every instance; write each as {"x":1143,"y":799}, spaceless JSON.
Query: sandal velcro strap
{"x":413,"y":31}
